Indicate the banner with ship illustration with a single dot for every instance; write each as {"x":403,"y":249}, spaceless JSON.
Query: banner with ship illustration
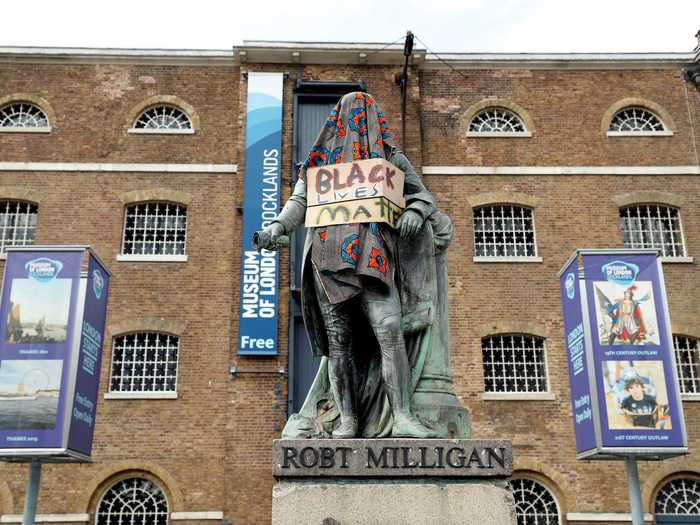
{"x":52,"y":316}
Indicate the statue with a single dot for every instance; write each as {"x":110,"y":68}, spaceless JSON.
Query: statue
{"x":374,"y":300}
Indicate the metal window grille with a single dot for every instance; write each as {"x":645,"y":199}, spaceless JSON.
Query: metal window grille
{"x":496,"y":120}
{"x":163,"y":117}
{"x":133,"y":501}
{"x":22,"y":115}
{"x":687,"y":352}
{"x":534,"y":504}
{"x":514,"y":363}
{"x":504,"y":231}
{"x":653,"y":226}
{"x":679,"y":497}
{"x":17,"y":223}
{"x":636,"y":120}
{"x":155,"y":228}
{"x":144,"y":362}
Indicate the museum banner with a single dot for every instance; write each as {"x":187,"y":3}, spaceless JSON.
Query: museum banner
{"x":53,"y":308}
{"x":624,"y":388}
{"x":257,"y":324}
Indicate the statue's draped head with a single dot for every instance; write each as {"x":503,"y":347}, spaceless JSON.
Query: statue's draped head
{"x":355,"y":129}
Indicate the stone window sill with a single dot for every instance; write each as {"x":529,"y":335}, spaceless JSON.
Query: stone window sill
{"x":677,"y":260}
{"x":151,"y":258}
{"x":485,"y":259}
{"x":639,"y":133}
{"x":518,"y":396}
{"x":690,"y":397}
{"x":140,"y":395}
{"x":145,"y":131}
{"x":25,"y":130}
{"x":499,"y":135}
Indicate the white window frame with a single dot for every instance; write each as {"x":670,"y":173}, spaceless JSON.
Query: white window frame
{"x":134,"y":476}
{"x":153,"y":257}
{"x":507,"y":258}
{"x":143,"y":394}
{"x":685,"y":258}
{"x":666,"y":484}
{"x":162,"y":131}
{"x":660,"y":133}
{"x":498,"y":134}
{"x":552,"y":493}
{"x":26,"y":129}
{"x":546,"y":395}
{"x":686,"y":396}
{"x":3,"y":253}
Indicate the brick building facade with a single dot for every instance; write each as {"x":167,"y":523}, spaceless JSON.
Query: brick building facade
{"x":206,"y":443}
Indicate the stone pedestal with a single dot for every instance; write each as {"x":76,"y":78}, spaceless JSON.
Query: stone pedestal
{"x":392,"y":481}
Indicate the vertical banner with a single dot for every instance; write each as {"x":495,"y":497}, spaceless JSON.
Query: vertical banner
{"x":257,"y":334}
{"x":48,"y":309}
{"x":626,"y":384}
{"x":89,"y":357}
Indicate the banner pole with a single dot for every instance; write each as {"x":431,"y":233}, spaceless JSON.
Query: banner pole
{"x":30,"y":500}
{"x":634,"y":491}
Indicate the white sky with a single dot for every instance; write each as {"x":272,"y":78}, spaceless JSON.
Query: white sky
{"x":444,"y":25}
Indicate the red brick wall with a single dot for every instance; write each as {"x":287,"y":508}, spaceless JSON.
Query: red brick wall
{"x":211,"y":446}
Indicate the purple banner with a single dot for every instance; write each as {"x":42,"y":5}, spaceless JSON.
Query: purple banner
{"x":581,"y":399}
{"x":87,"y":378}
{"x":37,"y":316}
{"x":626,"y":382}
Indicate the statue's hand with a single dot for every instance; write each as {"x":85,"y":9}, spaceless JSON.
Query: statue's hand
{"x":409,"y":224}
{"x":268,"y":239}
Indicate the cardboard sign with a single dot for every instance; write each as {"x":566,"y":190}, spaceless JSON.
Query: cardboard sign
{"x":361,"y":191}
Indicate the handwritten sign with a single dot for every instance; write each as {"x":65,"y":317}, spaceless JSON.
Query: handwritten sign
{"x":362,"y":191}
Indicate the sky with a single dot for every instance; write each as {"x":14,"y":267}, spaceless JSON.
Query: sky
{"x":467,"y":26}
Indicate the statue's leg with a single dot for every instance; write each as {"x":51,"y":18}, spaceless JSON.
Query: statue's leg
{"x":383,"y":310}
{"x":337,"y":319}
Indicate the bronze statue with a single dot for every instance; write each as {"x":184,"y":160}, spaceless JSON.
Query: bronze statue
{"x":374,"y":300}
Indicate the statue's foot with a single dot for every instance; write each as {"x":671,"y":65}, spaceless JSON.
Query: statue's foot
{"x":408,"y":426}
{"x":347,"y":429}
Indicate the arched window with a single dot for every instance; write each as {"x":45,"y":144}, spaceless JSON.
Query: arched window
{"x":17,"y":223}
{"x":154,"y":228}
{"x":653,"y":226}
{"x":687,"y":352}
{"x":679,"y":497}
{"x":514,"y":363}
{"x":496,"y":120}
{"x":504,"y":231}
{"x":534,"y":503}
{"x":636,"y":120}
{"x":23,"y":116}
{"x":163,"y":118}
{"x":134,"y":501}
{"x":144,"y":362}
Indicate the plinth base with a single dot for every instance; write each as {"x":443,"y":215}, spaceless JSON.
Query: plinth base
{"x":376,"y":502}
{"x":392,"y":481}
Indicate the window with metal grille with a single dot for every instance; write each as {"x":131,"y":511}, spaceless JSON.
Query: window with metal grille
{"x":514,"y":363}
{"x":688,"y":362}
{"x":22,"y":115}
{"x":163,"y":118}
{"x":636,"y":120}
{"x":496,"y":120}
{"x":679,"y":497}
{"x":534,"y":504}
{"x":155,"y":228}
{"x":144,"y":362}
{"x":504,"y":231}
{"x":653,"y":226}
{"x":17,"y":223}
{"x":134,"y":501}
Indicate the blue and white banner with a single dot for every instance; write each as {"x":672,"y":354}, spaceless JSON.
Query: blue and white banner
{"x":257,"y":327}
